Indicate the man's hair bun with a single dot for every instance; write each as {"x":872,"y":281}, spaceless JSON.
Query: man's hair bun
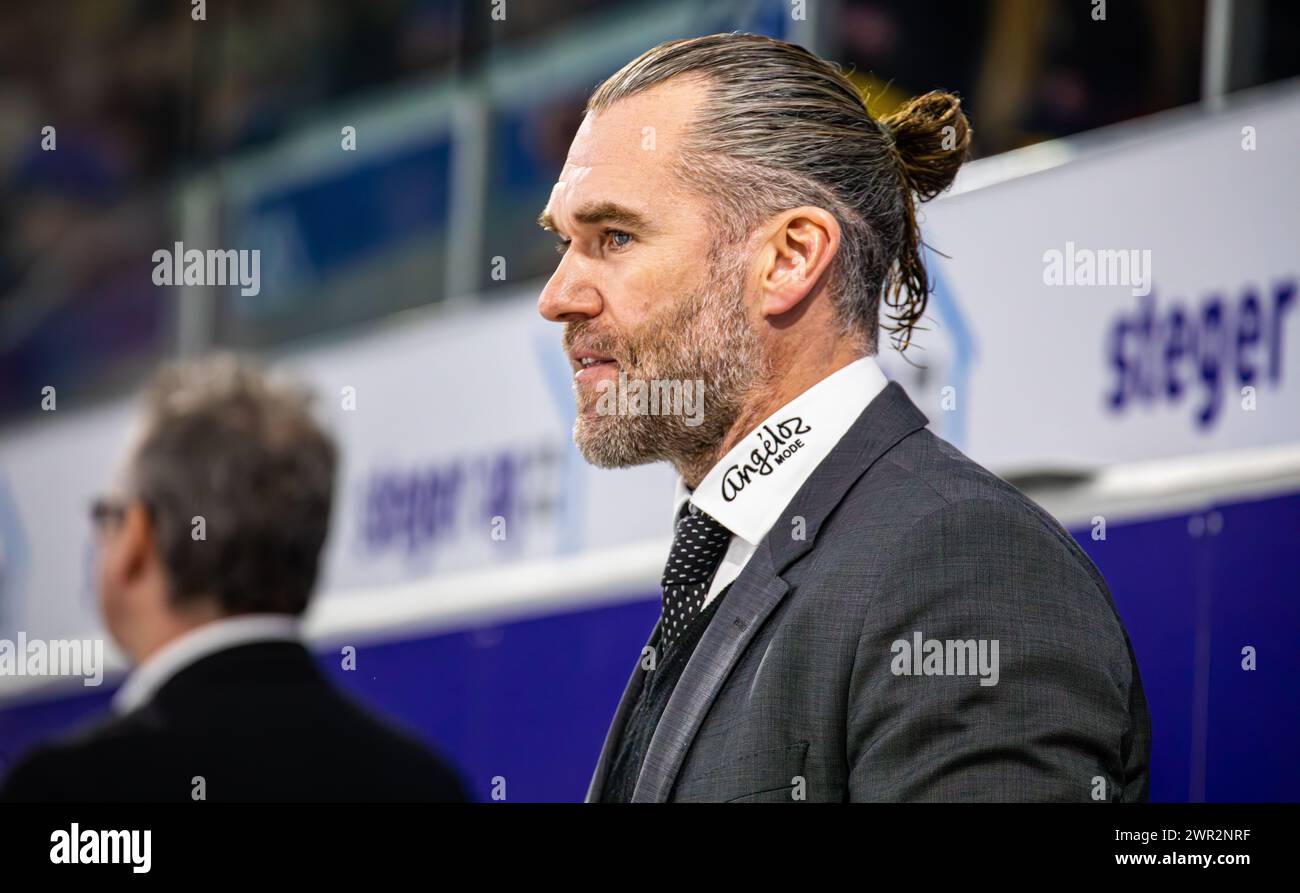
{"x":932,"y":138}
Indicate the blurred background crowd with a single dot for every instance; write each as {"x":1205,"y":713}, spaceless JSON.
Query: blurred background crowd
{"x":159,"y":118}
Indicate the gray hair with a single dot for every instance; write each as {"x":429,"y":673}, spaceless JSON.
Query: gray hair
{"x":781,"y":128}
{"x":226,"y":442}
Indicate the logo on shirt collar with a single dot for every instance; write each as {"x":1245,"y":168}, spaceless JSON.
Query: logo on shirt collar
{"x":775,"y":446}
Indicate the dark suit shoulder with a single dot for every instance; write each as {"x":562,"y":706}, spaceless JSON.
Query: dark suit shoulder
{"x":924,"y":479}
{"x":76,"y":766}
{"x":258,"y":722}
{"x":928,"y":531}
{"x":938,"y":473}
{"x":428,"y":775}
{"x":937,"y":540}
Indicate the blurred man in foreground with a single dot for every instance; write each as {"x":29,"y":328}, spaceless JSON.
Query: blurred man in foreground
{"x":226,"y":703}
{"x":852,"y":609}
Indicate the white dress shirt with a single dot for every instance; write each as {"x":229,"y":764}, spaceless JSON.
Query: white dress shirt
{"x":198,"y":643}
{"x":750,"y":486}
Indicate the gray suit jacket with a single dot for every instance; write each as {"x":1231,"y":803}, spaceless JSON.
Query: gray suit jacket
{"x":802,"y":688}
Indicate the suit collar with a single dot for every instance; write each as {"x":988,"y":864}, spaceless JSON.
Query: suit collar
{"x":188,"y":649}
{"x":246,"y":666}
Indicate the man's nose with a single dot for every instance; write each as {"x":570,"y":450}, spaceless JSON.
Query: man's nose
{"x":568,"y":297}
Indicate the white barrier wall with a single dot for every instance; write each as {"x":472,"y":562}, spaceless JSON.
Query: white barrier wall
{"x":1198,"y":353}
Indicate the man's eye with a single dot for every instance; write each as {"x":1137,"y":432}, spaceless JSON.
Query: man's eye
{"x":618,"y":238}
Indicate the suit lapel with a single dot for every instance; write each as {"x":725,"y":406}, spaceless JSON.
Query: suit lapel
{"x":748,"y":602}
{"x":759,"y":589}
{"x":630,"y":691}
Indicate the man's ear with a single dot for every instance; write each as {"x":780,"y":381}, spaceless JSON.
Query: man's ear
{"x":796,"y":254}
{"x":138,"y":543}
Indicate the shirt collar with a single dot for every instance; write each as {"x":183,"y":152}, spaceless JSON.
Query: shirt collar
{"x":186,"y":649}
{"x":749,"y":487}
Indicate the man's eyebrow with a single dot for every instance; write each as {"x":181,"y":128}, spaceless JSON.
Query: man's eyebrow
{"x":600,"y":212}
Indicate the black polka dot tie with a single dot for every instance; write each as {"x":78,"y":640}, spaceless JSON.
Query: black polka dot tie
{"x":698,"y":547}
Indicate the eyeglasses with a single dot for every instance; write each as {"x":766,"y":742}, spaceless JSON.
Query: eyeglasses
{"x":107,"y":509}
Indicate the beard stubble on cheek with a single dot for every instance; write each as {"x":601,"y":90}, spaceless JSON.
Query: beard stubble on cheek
{"x":702,"y":337}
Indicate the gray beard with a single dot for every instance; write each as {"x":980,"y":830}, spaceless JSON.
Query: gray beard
{"x":716,"y":346}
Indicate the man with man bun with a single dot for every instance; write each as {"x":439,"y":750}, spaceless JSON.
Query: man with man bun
{"x":852,"y":608}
